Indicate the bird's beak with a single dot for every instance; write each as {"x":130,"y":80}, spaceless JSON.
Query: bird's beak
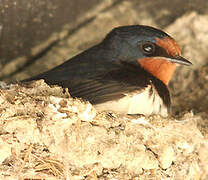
{"x":179,"y":60}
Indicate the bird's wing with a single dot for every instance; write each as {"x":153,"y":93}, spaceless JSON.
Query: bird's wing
{"x":102,"y":86}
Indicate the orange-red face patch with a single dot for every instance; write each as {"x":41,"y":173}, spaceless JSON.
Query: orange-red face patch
{"x":160,"y":68}
{"x":169,"y":45}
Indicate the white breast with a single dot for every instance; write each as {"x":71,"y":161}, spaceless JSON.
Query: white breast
{"x":145,"y":102}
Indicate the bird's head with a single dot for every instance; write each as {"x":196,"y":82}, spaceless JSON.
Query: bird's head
{"x":151,"y":48}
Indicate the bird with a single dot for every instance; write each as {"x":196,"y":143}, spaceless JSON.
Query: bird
{"x":127,"y":72}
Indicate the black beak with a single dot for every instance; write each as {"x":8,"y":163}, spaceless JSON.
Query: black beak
{"x":177,"y":59}
{"x":180,"y":60}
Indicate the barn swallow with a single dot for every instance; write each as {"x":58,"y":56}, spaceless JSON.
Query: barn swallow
{"x":128,"y":72}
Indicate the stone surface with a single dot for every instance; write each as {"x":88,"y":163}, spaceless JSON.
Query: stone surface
{"x":26,"y":23}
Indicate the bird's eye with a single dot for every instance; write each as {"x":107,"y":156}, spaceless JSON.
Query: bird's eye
{"x":148,"y":48}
